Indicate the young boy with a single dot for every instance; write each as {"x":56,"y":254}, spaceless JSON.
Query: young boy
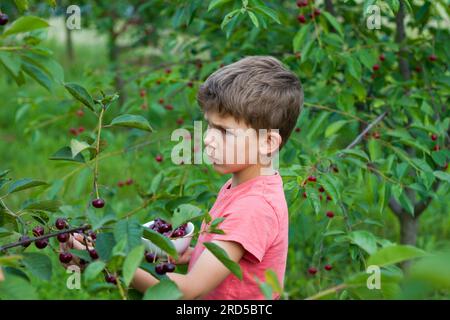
{"x":255,"y":93}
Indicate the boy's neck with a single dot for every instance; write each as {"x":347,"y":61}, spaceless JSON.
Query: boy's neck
{"x":249,"y":173}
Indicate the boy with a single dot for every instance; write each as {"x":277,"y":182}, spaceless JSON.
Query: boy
{"x":255,"y":93}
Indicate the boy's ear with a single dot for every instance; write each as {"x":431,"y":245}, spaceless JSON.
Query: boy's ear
{"x":270,"y":143}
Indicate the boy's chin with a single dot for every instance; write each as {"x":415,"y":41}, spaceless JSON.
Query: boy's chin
{"x":227,"y":168}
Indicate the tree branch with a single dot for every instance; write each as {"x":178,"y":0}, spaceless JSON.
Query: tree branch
{"x":47,"y":236}
{"x":367,"y":129}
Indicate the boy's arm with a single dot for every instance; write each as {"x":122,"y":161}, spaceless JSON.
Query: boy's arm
{"x":207,"y":273}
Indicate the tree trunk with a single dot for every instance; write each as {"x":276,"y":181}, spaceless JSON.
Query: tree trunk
{"x":114,"y":58}
{"x":400,"y":36}
{"x":69,"y":45}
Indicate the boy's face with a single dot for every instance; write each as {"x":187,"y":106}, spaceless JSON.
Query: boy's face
{"x":231,"y":145}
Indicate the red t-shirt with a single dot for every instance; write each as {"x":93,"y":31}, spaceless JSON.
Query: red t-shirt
{"x":256,"y":216}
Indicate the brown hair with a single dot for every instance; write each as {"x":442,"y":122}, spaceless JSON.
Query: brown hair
{"x":257,"y":89}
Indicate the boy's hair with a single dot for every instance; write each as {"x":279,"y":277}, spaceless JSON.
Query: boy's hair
{"x":256,"y":89}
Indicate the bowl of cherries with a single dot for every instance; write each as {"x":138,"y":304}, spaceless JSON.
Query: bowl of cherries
{"x":181,"y":236}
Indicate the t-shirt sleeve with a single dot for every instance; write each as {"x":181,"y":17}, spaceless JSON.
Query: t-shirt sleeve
{"x":250,"y":221}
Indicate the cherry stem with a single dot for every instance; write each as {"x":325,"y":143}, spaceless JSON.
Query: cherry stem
{"x":46,"y":236}
{"x":97,"y":151}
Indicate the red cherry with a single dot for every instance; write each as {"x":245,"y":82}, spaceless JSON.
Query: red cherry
{"x":382,"y":57}
{"x":180,"y":121}
{"x":63,"y":237}
{"x":432,"y":58}
{"x":418,"y":69}
{"x":190,"y":84}
{"x":93,"y":254}
{"x":330,"y":214}
{"x":312,"y":179}
{"x":168,"y":107}
{"x":168,"y":71}
{"x":301,"y":18}
{"x":80,"y":129}
{"x":434,"y":137}
{"x":329,"y":198}
{"x":98,"y":203}
{"x":159,"y":158}
{"x":304,"y":195}
{"x":302,"y":3}
{"x":144,"y":106}
{"x":129,"y":182}
{"x":376,"y":135}
{"x":38,"y":231}
{"x":60,"y":223}
{"x":376,"y":67}
{"x":159,"y":269}
{"x":297,"y":129}
{"x":73,"y":131}
{"x":120,"y":184}
{"x":316,"y":12}
{"x":142,"y":93}
{"x":437,"y":148}
{"x":26,"y":240}
{"x":41,"y":244}
{"x":321,"y":189}
{"x":110,"y":279}
{"x":328,"y":267}
{"x":312,"y":270}
{"x":151,"y":257}
{"x":65,"y":257}
{"x":169,"y":267}
{"x":80,"y":113}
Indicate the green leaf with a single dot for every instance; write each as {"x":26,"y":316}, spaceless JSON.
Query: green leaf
{"x":334,"y":127}
{"x":313,"y":197}
{"x":132,"y":262}
{"x":104,"y":244}
{"x":38,"y":264}
{"x":356,"y":153}
{"x":331,"y":186}
{"x":221,"y":254}
{"x":43,"y":205}
{"x":38,"y":75}
{"x":93,"y":270}
{"x":23,"y":184}
{"x":444,"y":176}
{"x":332,"y":20}
{"x":394,"y":254}
{"x":165,"y":290}
{"x":132,"y":121}
{"x":299,"y":38}
{"x":25,"y":24}
{"x":185,"y":213}
{"x":365,"y":240}
{"x":11,"y":62}
{"x":129,"y":229}
{"x":272,"y":14}
{"x":17,"y":288}
{"x":227,"y":19}
{"x":22,"y":5}
{"x":216,"y":3}
{"x":4,"y":173}
{"x":354,"y":67}
{"x":253,"y":18}
{"x":77,"y":146}
{"x":80,"y":94}
{"x":156,"y":183}
{"x":65,"y":153}
{"x":161,"y":242}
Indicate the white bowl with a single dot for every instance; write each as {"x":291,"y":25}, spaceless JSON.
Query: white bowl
{"x":180,"y":244}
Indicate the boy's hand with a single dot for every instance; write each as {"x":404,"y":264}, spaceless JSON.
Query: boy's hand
{"x":76,"y":241}
{"x":184,"y":258}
